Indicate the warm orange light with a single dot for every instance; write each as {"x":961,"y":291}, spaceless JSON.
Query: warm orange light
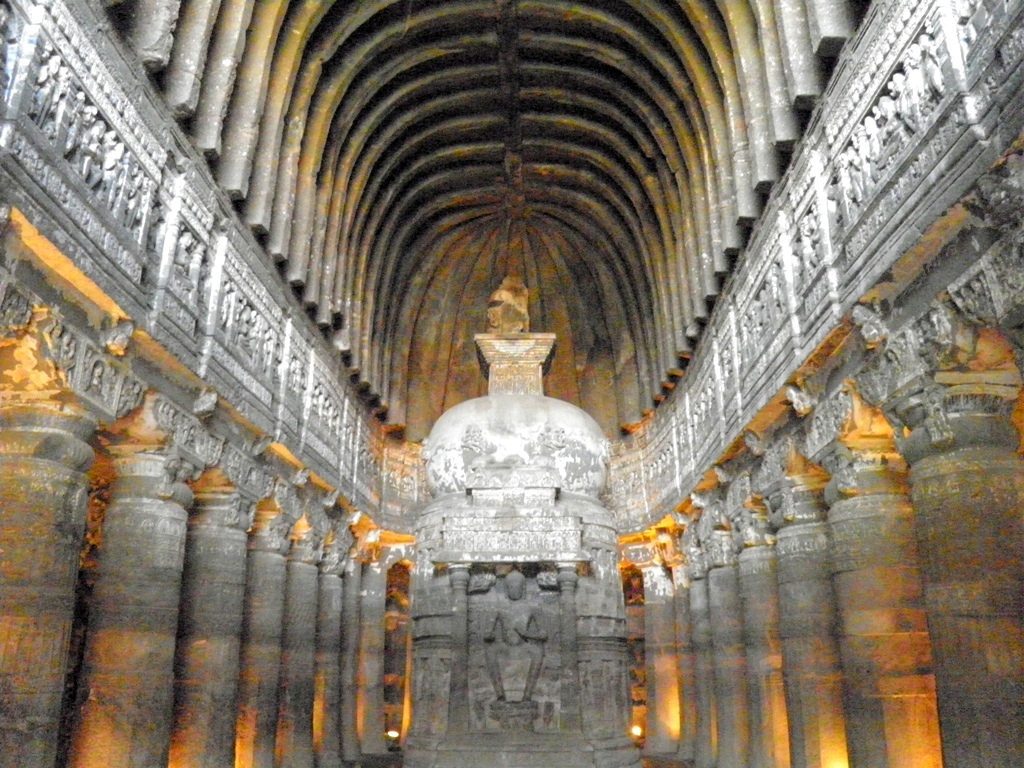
{"x":637,"y":731}
{"x":392,"y":734}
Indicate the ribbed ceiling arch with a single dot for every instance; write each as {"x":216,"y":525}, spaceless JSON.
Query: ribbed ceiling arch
{"x":397,"y":155}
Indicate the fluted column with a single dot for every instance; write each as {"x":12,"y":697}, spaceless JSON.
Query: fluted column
{"x":891,"y":715}
{"x":294,"y":748}
{"x":43,"y":458}
{"x":687,"y":674}
{"x":351,"y":590}
{"x":327,"y":701}
{"x":730,"y":659}
{"x":210,"y":626}
{"x":662,"y":729}
{"x":807,"y":624}
{"x":262,"y":623}
{"x":954,"y":386}
{"x":706,"y":748}
{"x":127,"y":678}
{"x":759,"y":596}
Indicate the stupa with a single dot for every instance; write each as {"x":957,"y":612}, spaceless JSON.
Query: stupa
{"x":518,"y":616}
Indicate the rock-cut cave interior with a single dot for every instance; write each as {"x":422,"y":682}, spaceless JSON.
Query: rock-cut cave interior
{"x":511,"y":383}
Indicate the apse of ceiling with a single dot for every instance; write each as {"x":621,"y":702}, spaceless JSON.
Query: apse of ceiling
{"x":399,"y":157}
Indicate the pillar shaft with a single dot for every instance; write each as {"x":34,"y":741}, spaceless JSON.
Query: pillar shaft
{"x":127,"y":677}
{"x":371,"y":660}
{"x":209,"y":633}
{"x":294,"y":748}
{"x":807,"y":623}
{"x":326,"y":716}
{"x":351,"y":590}
{"x":571,"y":716}
{"x":686,"y":667}
{"x":43,"y":456}
{"x":967,"y":493}
{"x":260,"y":662}
{"x":730,"y":666}
{"x":706,"y":750}
{"x":759,"y":593}
{"x":458,"y":708}
{"x":662,"y":728}
{"x":891,"y":717}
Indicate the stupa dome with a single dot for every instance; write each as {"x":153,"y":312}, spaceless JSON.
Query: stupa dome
{"x":510,"y":430}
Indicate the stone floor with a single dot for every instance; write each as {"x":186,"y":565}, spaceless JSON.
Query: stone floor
{"x":396,"y":762}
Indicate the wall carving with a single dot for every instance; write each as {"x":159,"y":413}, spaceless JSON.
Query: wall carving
{"x":92,"y":149}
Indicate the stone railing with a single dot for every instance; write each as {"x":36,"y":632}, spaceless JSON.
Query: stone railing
{"x":921,"y":102}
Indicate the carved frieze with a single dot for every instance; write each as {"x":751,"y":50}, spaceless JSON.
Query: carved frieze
{"x":89,"y":137}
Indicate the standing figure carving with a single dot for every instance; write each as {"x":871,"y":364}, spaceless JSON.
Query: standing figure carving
{"x":515,"y":623}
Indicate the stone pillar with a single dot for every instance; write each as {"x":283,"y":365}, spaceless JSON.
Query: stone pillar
{"x":891,"y":715}
{"x":662,"y":728}
{"x":968,"y":493}
{"x":954,"y":386}
{"x":371,"y":659}
{"x":458,"y":707}
{"x":759,"y":595}
{"x":730,"y":662}
{"x":351,"y":590}
{"x":706,"y":748}
{"x":327,"y":700}
{"x":807,"y":622}
{"x":262,"y":622}
{"x":210,"y":626}
{"x":687,"y":673}
{"x":43,"y":458}
{"x":294,"y":747}
{"x":127,"y":678}
{"x":570,"y":687}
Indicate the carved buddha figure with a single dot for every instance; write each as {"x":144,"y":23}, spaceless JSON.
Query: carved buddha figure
{"x":515,"y":623}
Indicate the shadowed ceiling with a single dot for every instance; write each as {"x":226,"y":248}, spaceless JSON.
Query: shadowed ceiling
{"x":398,"y":157}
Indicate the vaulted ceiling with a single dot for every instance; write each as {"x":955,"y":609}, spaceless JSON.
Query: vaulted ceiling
{"x":398,"y":157}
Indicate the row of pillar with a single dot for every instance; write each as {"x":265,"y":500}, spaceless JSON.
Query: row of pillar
{"x":865,"y":611}
{"x":212,"y":620}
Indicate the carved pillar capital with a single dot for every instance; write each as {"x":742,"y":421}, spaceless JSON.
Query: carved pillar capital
{"x":164,"y":444}
{"x":748,"y":512}
{"x":220,"y":506}
{"x":940,"y":366}
{"x":269,"y":530}
{"x":29,"y":372}
{"x":337,"y":550}
{"x":696,"y":560}
{"x":306,"y":543}
{"x":567,"y":577}
{"x":458,"y":575}
{"x":244,"y":470}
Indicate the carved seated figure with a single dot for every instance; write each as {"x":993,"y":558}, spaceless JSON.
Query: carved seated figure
{"x":515,"y":623}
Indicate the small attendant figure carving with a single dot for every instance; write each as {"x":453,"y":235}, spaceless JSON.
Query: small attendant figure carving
{"x":516,"y":623}
{"x":507,"y":309}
